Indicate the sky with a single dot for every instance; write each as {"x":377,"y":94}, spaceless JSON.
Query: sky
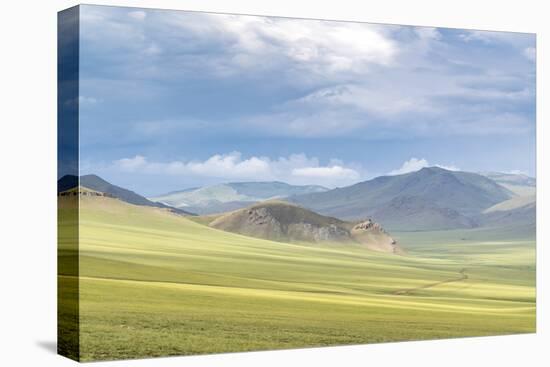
{"x":172,"y":99}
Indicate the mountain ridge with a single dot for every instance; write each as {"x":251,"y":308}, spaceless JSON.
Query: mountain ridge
{"x":519,"y":183}
{"x":432,"y":198}
{"x":233,"y":195}
{"x":96,"y":183}
{"x":450,"y":197}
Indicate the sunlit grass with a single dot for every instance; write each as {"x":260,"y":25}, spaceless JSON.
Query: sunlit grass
{"x":153,"y":284}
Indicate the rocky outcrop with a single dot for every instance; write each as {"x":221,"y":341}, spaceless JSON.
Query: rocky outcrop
{"x":83,"y":191}
{"x":330,"y":233}
{"x":368,"y":225}
{"x":374,"y":237}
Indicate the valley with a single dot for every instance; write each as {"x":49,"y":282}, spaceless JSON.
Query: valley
{"x":154,"y":282}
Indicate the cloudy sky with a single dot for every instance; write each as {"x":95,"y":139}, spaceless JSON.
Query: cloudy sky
{"x":170,"y":100}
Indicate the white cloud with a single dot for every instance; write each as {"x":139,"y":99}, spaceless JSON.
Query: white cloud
{"x":470,"y":36}
{"x":448,"y":107}
{"x":516,"y":172}
{"x":326,"y":172}
{"x":390,"y":103}
{"x":320,"y":46}
{"x":84,"y":100}
{"x":295,"y":169}
{"x":222,"y":45}
{"x":489,"y":36}
{"x":131,"y":164}
{"x":530,"y":53}
{"x":327,"y":78}
{"x":428,"y":33}
{"x":138,"y":14}
{"x":219,"y":165}
{"x":416,"y":164}
{"x":230,"y":165}
{"x":412,"y":165}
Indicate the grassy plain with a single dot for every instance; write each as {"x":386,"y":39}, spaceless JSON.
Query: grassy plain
{"x":154,"y":284}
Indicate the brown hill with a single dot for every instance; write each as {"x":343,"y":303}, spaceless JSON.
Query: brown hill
{"x":285,"y":222}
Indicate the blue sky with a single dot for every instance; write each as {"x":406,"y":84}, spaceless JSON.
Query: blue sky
{"x":172,"y":99}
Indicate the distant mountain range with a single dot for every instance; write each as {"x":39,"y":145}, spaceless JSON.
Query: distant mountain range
{"x":519,"y":179}
{"x":518,"y":183}
{"x":96,"y":183}
{"x":231,"y":196}
{"x":429,"y":199}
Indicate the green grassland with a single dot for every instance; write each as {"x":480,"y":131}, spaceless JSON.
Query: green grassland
{"x":153,"y":283}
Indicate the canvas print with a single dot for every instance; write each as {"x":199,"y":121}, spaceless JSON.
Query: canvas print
{"x":232,"y":183}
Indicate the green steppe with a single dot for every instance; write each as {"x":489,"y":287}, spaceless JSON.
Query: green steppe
{"x":154,"y":283}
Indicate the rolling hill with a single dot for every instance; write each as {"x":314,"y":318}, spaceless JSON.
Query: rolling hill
{"x":231,"y":196}
{"x":429,"y":199}
{"x":96,"y":183}
{"x":520,"y":184}
{"x":519,"y":212}
{"x":148,"y":277}
{"x":511,"y":204}
{"x":284,"y":222}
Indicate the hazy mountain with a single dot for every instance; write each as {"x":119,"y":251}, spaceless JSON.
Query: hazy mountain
{"x":511,"y":204}
{"x":96,"y":183}
{"x":282,"y":221}
{"x":511,"y":178}
{"x":431,"y":198}
{"x":414,"y":213}
{"x":226,"y":197}
{"x":519,"y":184}
{"x":518,"y":211}
{"x":510,"y":216}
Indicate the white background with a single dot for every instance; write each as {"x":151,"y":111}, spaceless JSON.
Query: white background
{"x":28,"y":182}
